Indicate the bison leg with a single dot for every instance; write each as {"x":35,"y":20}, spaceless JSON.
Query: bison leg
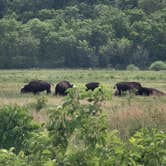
{"x":48,"y":91}
{"x":56,"y":92}
{"x":35,"y":92}
{"x":119,"y":92}
{"x":116,"y":93}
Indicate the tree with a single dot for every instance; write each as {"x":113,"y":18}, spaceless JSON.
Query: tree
{"x":150,"y":6}
{"x":126,"y":4}
{"x":9,"y":34}
{"x":135,"y":15}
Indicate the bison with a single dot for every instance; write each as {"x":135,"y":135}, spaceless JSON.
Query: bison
{"x":144,"y":91}
{"x":92,"y":85}
{"x":36,"y":86}
{"x":61,"y":87}
{"x":126,"y":86}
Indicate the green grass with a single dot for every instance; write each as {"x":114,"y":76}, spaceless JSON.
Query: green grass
{"x":80,"y":75}
{"x":108,"y":77}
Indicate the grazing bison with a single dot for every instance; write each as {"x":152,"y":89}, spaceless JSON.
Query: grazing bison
{"x":61,"y":88}
{"x":36,"y":86}
{"x":92,"y":85}
{"x":126,"y":86}
{"x":144,"y":91}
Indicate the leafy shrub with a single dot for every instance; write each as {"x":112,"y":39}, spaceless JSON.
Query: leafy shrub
{"x":148,"y":147}
{"x":158,"y":65}
{"x":132,"y":67}
{"x":8,"y":158}
{"x":73,"y":116}
{"x":39,"y":148}
{"x":110,"y":152}
{"x":15,"y":127}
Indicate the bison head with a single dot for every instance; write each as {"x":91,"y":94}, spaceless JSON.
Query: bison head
{"x":25,"y":89}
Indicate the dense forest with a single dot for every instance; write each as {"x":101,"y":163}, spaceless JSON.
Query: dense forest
{"x":82,"y":33}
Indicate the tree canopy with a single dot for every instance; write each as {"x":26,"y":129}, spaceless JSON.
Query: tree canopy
{"x":82,"y":33}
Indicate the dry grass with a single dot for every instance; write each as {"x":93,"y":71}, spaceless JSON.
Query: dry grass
{"x":141,"y":112}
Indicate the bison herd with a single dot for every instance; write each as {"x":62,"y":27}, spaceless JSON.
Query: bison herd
{"x":137,"y":88}
{"x":37,"y":86}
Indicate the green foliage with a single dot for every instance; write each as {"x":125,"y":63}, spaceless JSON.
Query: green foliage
{"x":39,"y":149}
{"x":16,"y":126}
{"x":8,"y":158}
{"x":112,"y":152}
{"x":150,"y":6}
{"x":158,"y":65}
{"x":74,"y":116}
{"x":148,"y":147}
{"x":132,"y":67}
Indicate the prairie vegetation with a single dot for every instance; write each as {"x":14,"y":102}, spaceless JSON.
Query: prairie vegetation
{"x":127,"y":113}
{"x":83,"y":128}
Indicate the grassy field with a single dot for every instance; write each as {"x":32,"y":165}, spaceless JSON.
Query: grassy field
{"x":124,"y":113}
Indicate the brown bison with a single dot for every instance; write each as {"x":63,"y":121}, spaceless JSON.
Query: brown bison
{"x":144,"y":91}
{"x":61,"y":87}
{"x":36,"y":86}
{"x":126,"y":86}
{"x":92,"y":85}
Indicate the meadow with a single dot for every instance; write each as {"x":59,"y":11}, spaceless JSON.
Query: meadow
{"x":127,"y":113}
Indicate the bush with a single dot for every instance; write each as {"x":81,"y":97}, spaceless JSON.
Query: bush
{"x":84,"y":121}
{"x":148,"y":147}
{"x":39,"y":149}
{"x":15,"y":127}
{"x":8,"y":158}
{"x":158,"y":65}
{"x":132,"y":67}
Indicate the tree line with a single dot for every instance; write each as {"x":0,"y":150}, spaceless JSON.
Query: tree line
{"x":82,"y":33}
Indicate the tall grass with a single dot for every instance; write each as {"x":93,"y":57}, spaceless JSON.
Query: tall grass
{"x":142,"y":113}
